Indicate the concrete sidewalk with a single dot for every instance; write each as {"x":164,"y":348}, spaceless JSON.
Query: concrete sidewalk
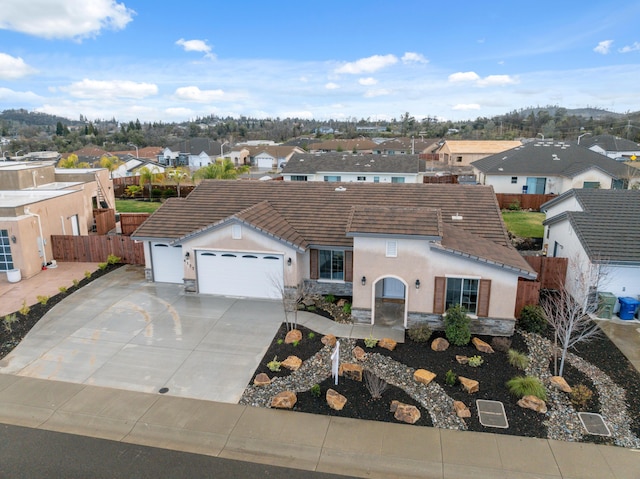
{"x":302,"y":441}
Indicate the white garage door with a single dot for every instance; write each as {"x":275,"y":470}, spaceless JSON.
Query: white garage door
{"x":265,"y":163}
{"x":253,"y":275}
{"x":167,"y":263}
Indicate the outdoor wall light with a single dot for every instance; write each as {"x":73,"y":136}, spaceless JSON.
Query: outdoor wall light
{"x":14,"y":239}
{"x":417,"y":284}
{"x":186,"y":255}
{"x":289,"y":262}
{"x":363,"y":280}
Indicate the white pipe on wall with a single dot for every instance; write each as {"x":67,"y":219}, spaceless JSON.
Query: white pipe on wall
{"x":44,"y":248}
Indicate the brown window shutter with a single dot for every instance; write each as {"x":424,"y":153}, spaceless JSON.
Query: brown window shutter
{"x":484,"y":296}
{"x":313,"y":254}
{"x":438,"y":294}
{"x":348,"y":266}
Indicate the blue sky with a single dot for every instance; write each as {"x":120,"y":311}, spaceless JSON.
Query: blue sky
{"x":174,"y":61}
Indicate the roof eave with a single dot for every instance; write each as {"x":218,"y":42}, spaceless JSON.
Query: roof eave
{"x":519,"y":271}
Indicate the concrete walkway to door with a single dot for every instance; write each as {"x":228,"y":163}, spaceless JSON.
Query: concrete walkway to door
{"x":123,"y":332}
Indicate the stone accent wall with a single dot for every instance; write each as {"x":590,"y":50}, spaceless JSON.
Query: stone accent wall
{"x":483,"y":326}
{"x":321,"y":288}
{"x":361,"y":316}
{"x":189,"y":285}
{"x":148,"y":274}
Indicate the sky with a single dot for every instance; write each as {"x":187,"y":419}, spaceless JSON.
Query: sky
{"x":334,"y":59}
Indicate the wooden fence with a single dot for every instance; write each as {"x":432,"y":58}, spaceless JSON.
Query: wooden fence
{"x":129,"y":222}
{"x":528,"y":293}
{"x":105,"y":219}
{"x":525,"y":202}
{"x":96,"y":248}
{"x":552,"y":272}
{"x":451,"y":179}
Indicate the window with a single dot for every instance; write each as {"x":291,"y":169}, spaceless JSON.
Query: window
{"x":236,"y":231}
{"x":392,"y":249}
{"x":331,"y":264}
{"x":458,"y":159}
{"x":376,"y":179}
{"x":514,"y":180}
{"x":6,"y":260}
{"x":332,"y":179}
{"x":362,"y":178}
{"x":299,"y":178}
{"x":591,"y":184}
{"x":463,"y":292}
{"x":397,"y":179}
{"x":619,"y":184}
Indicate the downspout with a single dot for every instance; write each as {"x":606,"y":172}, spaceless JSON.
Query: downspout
{"x":44,"y":248}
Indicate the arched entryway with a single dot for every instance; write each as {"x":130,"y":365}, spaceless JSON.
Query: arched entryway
{"x":390,"y":302}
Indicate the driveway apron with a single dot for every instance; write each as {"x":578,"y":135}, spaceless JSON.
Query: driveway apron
{"x":123,"y":332}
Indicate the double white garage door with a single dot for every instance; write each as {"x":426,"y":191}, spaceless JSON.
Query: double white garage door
{"x":249,"y":274}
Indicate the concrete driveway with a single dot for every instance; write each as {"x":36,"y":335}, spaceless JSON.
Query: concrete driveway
{"x":123,"y":332}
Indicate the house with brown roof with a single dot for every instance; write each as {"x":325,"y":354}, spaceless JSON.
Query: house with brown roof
{"x":403,"y":252}
{"x":464,"y":152}
{"x":357,"y":145}
{"x":267,"y":157}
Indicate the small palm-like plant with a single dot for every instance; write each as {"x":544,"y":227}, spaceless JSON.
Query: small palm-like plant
{"x":521,"y":386}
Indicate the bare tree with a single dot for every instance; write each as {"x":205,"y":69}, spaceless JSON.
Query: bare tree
{"x":291,"y":298}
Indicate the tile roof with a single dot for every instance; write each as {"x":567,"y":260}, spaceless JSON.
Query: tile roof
{"x":346,"y":145}
{"x":310,"y":163}
{"x":195,"y":146}
{"x":610,"y":143}
{"x":548,"y":157}
{"x":609,"y":226}
{"x":320,"y":212}
{"x":394,"y":221}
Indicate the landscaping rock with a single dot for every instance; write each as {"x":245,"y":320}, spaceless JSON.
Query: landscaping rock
{"x":335,"y":400}
{"x":439,"y":344}
{"x":293,"y":335}
{"x":482,"y":346}
{"x":406,"y":413}
{"x":560,"y":383}
{"x":469,"y":385}
{"x":462,"y":359}
{"x":387,"y":343}
{"x":292,"y":363}
{"x":329,"y":340}
{"x":351,"y":371}
{"x":423,"y":376}
{"x":262,"y":380}
{"x":534,"y":403}
{"x":308,"y":301}
{"x":284,"y":400}
{"x":341,"y":302}
{"x":359,"y":353}
{"x":461,"y":409}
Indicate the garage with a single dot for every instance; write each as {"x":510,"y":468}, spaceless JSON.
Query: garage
{"x":247,"y":274}
{"x":167,"y":263}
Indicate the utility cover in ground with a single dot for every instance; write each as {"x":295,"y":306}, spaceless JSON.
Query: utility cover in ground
{"x":594,"y":424}
{"x":492,"y":413}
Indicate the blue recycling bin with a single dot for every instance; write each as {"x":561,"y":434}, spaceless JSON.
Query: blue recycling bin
{"x":628,"y":307}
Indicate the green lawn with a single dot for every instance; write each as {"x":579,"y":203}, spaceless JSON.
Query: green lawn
{"x":135,"y":206}
{"x":525,"y":224}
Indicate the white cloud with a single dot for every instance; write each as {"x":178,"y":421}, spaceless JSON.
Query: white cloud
{"x":378,"y":92}
{"x":76,"y":19}
{"x":195,"y":94}
{"x":305,"y":114}
{"x":463,"y":77}
{"x":367,"y":81}
{"x":603,"y":47}
{"x":179,"y":112}
{"x":7,"y":95}
{"x":466,"y":106}
{"x":12,"y":68}
{"x":497,"y":80}
{"x":110,"y":89}
{"x":368,"y":65}
{"x":634,"y":47}
{"x":196,"y":46}
{"x":332,"y":86}
{"x":412,"y":57}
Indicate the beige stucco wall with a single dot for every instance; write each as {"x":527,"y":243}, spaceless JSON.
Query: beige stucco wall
{"x":26,"y":176}
{"x":417,"y":260}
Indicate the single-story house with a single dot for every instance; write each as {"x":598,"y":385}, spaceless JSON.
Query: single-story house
{"x":356,"y":145}
{"x":269,"y":157}
{"x":39,"y":200}
{"x":598,"y":231}
{"x":465,"y":152}
{"x":612,"y":146}
{"x":551,"y":167}
{"x":194,"y":153}
{"x":349,"y":167}
{"x":405,"y":146}
{"x":417,"y":248}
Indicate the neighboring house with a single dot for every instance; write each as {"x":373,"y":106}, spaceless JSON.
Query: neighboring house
{"x":465,"y":152}
{"x":404,"y":146}
{"x":39,"y":200}
{"x":612,"y":146}
{"x":193,"y":153}
{"x":551,"y":167}
{"x":347,"y":167}
{"x":414,"y":247}
{"x":599,"y":232}
{"x":239,"y":155}
{"x":89,"y":154}
{"x":272,"y":156}
{"x":358,"y":145}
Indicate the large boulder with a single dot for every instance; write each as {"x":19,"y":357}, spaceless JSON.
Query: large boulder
{"x":328,"y":340}
{"x":462,"y":359}
{"x":406,"y":413}
{"x":534,"y":403}
{"x":335,"y":400}
{"x":292,"y":363}
{"x":284,"y":400}
{"x":423,"y":376}
{"x":439,"y":344}
{"x":469,"y":385}
{"x":461,"y":409}
{"x":482,"y":346}
{"x":293,"y":336}
{"x":560,"y":383}
{"x":387,"y":343}
{"x":351,"y":371}
{"x":261,"y":380}
{"x":359,"y":353}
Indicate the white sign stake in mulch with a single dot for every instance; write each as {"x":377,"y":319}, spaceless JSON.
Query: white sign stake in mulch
{"x":492,"y":413}
{"x":594,"y":424}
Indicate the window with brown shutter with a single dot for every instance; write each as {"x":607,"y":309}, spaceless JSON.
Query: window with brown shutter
{"x":313,"y":266}
{"x":484,"y":296}
{"x":438,"y":295}
{"x":348,"y":266}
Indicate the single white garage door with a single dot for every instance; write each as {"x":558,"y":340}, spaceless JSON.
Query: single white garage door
{"x":252,"y":275}
{"x":167,"y":263}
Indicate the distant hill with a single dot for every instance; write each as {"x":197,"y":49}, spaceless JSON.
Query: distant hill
{"x":595,"y":113}
{"x":34,"y":118}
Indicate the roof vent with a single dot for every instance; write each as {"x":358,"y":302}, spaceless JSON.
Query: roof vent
{"x":555,"y":157}
{"x":501,"y":169}
{"x":340,"y":188}
{"x":301,"y":159}
{"x":456,"y":217}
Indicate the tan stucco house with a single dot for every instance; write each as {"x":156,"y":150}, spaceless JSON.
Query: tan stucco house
{"x":464,"y":152}
{"x":419,"y":247}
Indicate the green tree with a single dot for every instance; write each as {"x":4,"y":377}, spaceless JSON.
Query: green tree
{"x":111,"y":163}
{"x":71,"y":161}
{"x":178,"y":175}
{"x":219,"y":170}
{"x":149,"y":175}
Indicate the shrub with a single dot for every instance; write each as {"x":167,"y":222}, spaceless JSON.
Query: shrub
{"x":532,"y":319}
{"x":500,"y":343}
{"x":517,"y":359}
{"x":515,"y":206}
{"x":346,"y":308}
{"x":76,"y":282}
{"x":24,"y":310}
{"x":450,"y":378}
{"x":274,"y":364}
{"x":311,"y":308}
{"x":42,"y":299}
{"x":102,"y":266}
{"x":521,"y":386}
{"x":280,"y":341}
{"x":457,"y":326}
{"x":580,"y":396}
{"x":113,"y":259}
{"x":156,"y":192}
{"x":133,"y":190}
{"x":295,"y":343}
{"x":87,"y":274}
{"x":375,"y":385}
{"x":8,"y":321}
{"x":475,"y":361}
{"x":420,"y":333}
{"x":330,"y":298}
{"x":370,"y":342}
{"x":62,"y":289}
{"x":311,"y":335}
{"x":315,"y":390}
